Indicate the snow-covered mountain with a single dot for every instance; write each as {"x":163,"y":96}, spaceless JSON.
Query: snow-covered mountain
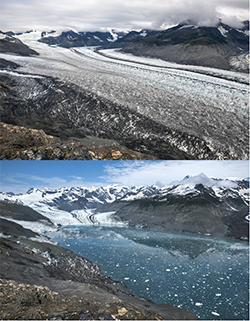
{"x":81,"y":197}
{"x":71,"y":198}
{"x":220,"y":46}
{"x":77,"y":205}
{"x":64,"y":39}
{"x":197,"y":204}
{"x":72,"y":38}
{"x":138,"y":205}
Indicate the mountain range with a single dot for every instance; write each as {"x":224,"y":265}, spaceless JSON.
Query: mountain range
{"x":190,"y":44}
{"x":197,"y":204}
{"x":220,"y":46}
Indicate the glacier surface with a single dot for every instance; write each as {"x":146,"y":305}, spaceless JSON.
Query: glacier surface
{"x":210,"y":104}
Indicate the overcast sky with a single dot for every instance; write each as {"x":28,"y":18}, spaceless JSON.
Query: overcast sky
{"x":19,"y":176}
{"x":84,"y":15}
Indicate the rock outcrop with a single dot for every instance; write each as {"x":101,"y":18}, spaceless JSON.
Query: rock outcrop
{"x":10,"y":44}
{"x":21,"y":143}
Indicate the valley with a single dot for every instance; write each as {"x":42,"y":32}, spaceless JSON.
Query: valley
{"x":196,"y":205}
{"x":147,"y":105}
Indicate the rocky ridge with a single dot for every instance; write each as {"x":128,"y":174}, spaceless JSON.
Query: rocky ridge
{"x":71,"y":38}
{"x":200,"y":211}
{"x":9,"y":43}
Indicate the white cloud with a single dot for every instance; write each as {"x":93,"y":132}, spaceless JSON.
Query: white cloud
{"x":131,"y":173}
{"x":165,"y":172}
{"x":20,"y":183}
{"x":86,"y":15}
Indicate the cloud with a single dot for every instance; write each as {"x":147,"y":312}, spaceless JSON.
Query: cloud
{"x":84,"y":15}
{"x":20,"y":183}
{"x":165,"y":172}
{"x":130,"y":173}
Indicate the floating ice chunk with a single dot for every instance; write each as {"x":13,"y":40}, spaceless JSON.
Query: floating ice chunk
{"x":146,"y":281}
{"x":198,"y":304}
{"x":215,"y":313}
{"x":167,"y":270}
{"x":218,"y":294}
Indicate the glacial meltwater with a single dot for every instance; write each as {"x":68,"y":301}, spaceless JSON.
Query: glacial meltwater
{"x":206,"y":275}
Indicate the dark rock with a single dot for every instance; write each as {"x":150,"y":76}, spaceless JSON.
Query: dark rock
{"x":13,"y":45}
{"x":6,"y":64}
{"x":189,"y":44}
{"x":20,"y":212}
{"x":14,"y":229}
{"x":131,"y":37}
{"x":202,"y":213}
{"x":71,"y":38}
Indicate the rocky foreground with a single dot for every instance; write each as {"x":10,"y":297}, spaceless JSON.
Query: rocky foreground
{"x":21,"y":143}
{"x":40,"y":280}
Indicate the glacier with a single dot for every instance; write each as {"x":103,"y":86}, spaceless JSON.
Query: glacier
{"x":207,"y":103}
{"x":94,"y":205}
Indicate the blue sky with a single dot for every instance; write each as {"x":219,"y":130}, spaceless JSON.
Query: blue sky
{"x":92,"y":15}
{"x":19,"y":176}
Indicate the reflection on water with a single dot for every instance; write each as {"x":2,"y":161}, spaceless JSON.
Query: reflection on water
{"x":206,"y":275}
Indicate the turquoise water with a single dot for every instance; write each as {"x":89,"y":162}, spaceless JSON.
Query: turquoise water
{"x":208,"y":276}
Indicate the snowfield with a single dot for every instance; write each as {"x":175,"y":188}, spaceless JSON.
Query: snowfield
{"x":208,"y":103}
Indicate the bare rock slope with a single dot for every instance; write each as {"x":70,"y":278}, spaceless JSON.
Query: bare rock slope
{"x":190,"y":44}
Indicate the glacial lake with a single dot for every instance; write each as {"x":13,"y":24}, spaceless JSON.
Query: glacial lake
{"x":206,"y":275}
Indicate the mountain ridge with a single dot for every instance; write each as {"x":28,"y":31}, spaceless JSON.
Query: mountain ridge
{"x":190,"y":44}
{"x":197,"y":204}
{"x":220,"y":46}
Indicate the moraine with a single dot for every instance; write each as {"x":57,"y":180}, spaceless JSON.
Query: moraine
{"x":206,"y":275}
